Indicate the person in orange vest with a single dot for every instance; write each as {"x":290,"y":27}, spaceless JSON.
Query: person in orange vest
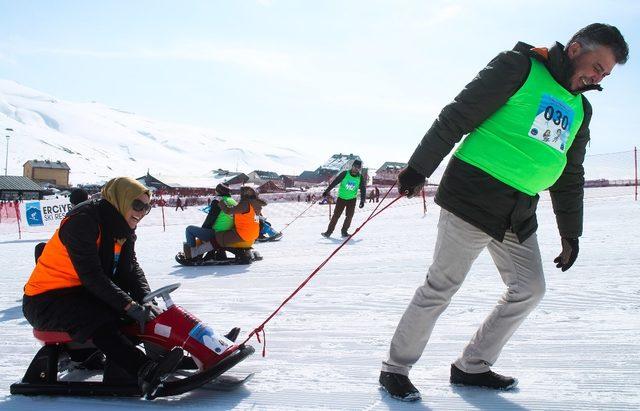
{"x":77,"y":196}
{"x":246,"y":225}
{"x":88,"y":278}
{"x":246,"y":222}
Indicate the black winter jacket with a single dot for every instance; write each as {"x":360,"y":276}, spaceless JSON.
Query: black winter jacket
{"x":95,"y":269}
{"x":474,"y":195}
{"x":212,"y":215}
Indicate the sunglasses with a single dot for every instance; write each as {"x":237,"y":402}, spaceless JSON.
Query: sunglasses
{"x":138,"y":205}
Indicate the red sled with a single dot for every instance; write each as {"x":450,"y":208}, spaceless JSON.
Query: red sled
{"x":208,"y":355}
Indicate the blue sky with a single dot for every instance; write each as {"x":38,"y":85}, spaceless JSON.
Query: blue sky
{"x":367,"y":77}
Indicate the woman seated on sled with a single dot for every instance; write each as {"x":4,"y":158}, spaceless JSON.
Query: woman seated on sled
{"x":87,"y":280}
{"x":245,"y":220}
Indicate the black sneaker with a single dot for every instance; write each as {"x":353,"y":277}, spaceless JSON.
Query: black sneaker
{"x":399,"y":386}
{"x":326,"y":234}
{"x":233,"y":334}
{"x":487,"y":379}
{"x":153,"y":373}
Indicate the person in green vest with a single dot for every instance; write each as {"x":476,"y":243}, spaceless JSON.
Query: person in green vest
{"x":349,"y":182}
{"x":527,"y":124}
{"x":216,"y":220}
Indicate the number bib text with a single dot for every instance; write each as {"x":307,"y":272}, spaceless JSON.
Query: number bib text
{"x":552,"y":123}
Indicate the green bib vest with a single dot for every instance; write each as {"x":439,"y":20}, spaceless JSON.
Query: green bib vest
{"x":224,"y":222}
{"x":524,"y":143}
{"x":349,"y":186}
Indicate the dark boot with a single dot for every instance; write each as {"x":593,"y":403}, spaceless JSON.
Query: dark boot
{"x":346,"y":234}
{"x":399,"y":386}
{"x":326,"y":234}
{"x":244,"y":256}
{"x":219,"y":255}
{"x":153,"y":373}
{"x":233,"y":334}
{"x":487,"y":379}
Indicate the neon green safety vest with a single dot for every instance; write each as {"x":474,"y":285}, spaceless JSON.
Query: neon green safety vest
{"x":349,"y":186}
{"x":224,"y":222}
{"x":524,"y":144}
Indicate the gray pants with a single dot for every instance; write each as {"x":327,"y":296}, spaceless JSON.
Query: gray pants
{"x":457,"y":246}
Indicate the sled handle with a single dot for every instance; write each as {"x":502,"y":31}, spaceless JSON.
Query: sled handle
{"x":162,"y":292}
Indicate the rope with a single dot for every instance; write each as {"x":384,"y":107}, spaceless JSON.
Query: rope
{"x":260,"y":329}
{"x":299,"y":215}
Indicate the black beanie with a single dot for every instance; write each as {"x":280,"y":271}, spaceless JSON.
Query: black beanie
{"x":223,"y":189}
{"x":77,"y":196}
{"x":357,"y":163}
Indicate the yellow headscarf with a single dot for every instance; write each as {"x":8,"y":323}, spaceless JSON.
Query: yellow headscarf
{"x":121,"y":191}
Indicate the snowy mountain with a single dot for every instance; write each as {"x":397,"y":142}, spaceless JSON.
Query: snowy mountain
{"x":99,"y":142}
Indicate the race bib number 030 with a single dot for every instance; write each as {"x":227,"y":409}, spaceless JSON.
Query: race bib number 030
{"x":552,"y":123}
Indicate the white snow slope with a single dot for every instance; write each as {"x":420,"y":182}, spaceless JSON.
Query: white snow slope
{"x":99,"y":142}
{"x":577,"y":351}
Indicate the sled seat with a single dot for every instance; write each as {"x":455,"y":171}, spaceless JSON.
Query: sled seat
{"x":239,"y":244}
{"x":52,"y":337}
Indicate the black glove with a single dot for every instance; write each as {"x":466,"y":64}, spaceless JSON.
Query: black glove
{"x":155,"y":310}
{"x":568,"y":255}
{"x":361,"y":204}
{"x":142,"y":314}
{"x":410,"y":182}
{"x":325,"y":193}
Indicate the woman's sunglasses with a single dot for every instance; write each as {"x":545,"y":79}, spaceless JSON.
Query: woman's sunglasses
{"x":138,"y":205}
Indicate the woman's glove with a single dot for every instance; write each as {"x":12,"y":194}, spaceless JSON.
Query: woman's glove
{"x":141,"y":314}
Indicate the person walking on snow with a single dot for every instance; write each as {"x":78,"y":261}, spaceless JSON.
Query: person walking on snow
{"x":489,"y":192}
{"x":349,"y":182}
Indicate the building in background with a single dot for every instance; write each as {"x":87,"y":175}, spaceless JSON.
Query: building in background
{"x":260,"y":177}
{"x":272,"y":186}
{"x":387,"y":174}
{"x":231,"y":178}
{"x":19,"y":188}
{"x":323,"y":174}
{"x":153,"y":183}
{"x":288,"y":180}
{"x":46,"y":171}
{"x":337,"y":163}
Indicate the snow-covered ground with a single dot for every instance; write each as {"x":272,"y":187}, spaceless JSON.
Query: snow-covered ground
{"x":577,"y":351}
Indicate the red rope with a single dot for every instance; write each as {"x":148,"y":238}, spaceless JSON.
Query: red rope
{"x":256,"y":331}
{"x":298,"y":216}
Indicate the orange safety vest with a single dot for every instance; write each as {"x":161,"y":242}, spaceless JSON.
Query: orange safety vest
{"x":247,"y":225}
{"x":54,"y":269}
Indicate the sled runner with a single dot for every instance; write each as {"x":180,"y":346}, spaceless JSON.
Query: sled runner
{"x":240,"y":256}
{"x":208,"y":356}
